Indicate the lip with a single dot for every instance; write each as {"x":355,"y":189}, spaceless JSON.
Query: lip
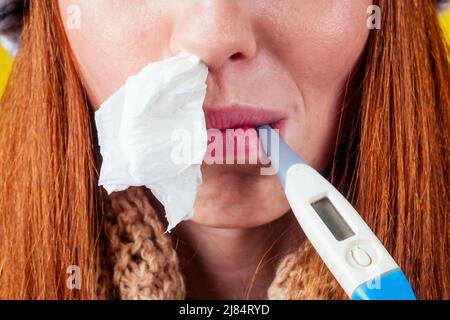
{"x":241,"y":116}
{"x":239,"y":139}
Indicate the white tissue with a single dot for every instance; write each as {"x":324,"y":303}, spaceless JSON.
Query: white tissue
{"x":152,"y":133}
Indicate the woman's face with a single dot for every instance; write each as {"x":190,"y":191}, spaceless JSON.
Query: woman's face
{"x":287,"y":60}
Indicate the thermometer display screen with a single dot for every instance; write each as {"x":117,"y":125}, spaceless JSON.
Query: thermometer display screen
{"x":332,"y":219}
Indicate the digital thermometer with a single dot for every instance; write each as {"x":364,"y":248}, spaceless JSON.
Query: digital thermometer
{"x":346,"y":244}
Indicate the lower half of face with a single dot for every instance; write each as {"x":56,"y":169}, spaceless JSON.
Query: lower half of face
{"x":239,"y":189}
{"x":280,"y":62}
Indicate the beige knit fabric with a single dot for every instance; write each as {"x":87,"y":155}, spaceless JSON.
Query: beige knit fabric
{"x":303,"y":276}
{"x":138,"y":260}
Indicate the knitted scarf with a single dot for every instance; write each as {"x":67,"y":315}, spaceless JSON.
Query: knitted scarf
{"x":139,"y":262}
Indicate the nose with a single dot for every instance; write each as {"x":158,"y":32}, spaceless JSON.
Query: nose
{"x":218,"y":31}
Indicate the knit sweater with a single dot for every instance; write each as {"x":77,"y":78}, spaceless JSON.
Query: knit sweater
{"x":139,"y":261}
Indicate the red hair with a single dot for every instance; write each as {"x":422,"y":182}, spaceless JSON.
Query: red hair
{"x":392,"y":157}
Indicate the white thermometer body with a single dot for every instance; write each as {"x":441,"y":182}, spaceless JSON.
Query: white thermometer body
{"x":346,"y":244}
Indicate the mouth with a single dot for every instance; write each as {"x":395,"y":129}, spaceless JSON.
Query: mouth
{"x":241,"y":117}
{"x":233,"y":136}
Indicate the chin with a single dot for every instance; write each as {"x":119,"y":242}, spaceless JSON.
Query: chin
{"x":237,"y":196}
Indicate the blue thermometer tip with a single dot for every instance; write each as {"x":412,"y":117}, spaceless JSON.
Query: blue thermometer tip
{"x":279,"y":153}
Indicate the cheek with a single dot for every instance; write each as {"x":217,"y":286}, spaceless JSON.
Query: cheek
{"x":115,"y":39}
{"x":319,"y":55}
{"x":318,"y":40}
{"x":330,"y":47}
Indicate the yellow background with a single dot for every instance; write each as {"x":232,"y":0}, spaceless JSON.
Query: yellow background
{"x":445,"y":19}
{"x":6,"y":61}
{"x":5,"y":67}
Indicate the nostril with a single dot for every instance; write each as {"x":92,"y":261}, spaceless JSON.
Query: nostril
{"x":237,"y":56}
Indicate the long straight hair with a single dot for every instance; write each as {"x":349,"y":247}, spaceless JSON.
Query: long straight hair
{"x":393,"y":156}
{"x":49,"y":203}
{"x":402,"y":169}
{"x":391,"y":159}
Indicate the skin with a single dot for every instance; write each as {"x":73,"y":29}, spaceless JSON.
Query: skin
{"x":301,"y":51}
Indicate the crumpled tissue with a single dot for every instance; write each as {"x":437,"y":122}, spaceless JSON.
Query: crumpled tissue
{"x":152,"y":133}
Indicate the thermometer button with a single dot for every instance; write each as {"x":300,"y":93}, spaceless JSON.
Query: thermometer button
{"x":361,"y":257}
